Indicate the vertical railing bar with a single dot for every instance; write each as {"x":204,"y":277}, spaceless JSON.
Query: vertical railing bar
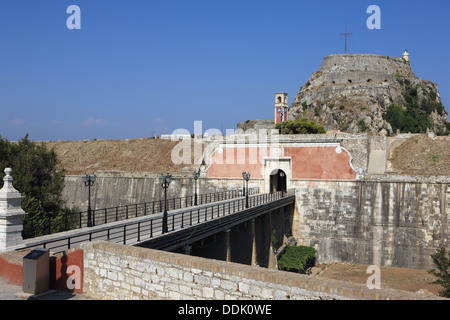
{"x":151,"y":228}
{"x":139,"y":231}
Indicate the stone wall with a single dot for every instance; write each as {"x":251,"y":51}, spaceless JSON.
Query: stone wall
{"x":113,"y":271}
{"x":373,"y":222}
{"x":117,"y":191}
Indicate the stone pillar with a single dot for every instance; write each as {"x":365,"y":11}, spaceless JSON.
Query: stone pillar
{"x":228,"y":244}
{"x":11,"y":214}
{"x":252,"y":226}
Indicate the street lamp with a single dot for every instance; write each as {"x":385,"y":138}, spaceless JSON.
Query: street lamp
{"x":165,"y":181}
{"x":196,"y":175}
{"x":243,"y":184}
{"x":89,"y":182}
{"x":246,"y":176}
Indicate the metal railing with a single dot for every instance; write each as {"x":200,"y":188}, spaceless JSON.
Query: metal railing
{"x":77,"y":220}
{"x":145,"y":229}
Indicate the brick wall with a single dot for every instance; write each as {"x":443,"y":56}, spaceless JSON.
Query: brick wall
{"x":114,"y":271}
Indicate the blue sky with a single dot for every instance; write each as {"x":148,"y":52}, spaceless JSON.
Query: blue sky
{"x":138,"y":67}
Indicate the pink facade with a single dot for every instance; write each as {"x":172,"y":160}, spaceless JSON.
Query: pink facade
{"x":307,"y":162}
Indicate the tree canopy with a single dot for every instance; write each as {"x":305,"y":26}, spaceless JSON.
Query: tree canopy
{"x":37,"y":179}
{"x":301,"y":126}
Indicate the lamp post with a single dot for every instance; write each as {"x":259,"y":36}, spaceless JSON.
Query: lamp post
{"x":89,"y":182}
{"x":196,"y":175}
{"x":243,"y":184}
{"x":165,"y":181}
{"x":246,"y":176}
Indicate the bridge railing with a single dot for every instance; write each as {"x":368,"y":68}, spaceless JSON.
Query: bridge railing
{"x":151,"y":227}
{"x":76,"y":220}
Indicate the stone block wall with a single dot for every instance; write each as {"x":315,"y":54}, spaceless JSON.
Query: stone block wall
{"x":117,"y":191}
{"x":114,"y":271}
{"x":389,"y":223}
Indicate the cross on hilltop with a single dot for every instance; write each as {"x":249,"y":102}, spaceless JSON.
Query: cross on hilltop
{"x":346,"y":35}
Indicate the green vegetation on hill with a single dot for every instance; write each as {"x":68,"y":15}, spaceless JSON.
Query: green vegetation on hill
{"x":415,"y":118}
{"x":441,"y":260}
{"x":302,"y":126}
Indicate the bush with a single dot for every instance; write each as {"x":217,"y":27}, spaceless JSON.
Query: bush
{"x":304,"y":105}
{"x":297,"y":258}
{"x":441,"y":260}
{"x":302,"y":126}
{"x":362,"y":125}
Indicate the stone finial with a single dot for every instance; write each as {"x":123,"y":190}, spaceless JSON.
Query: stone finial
{"x":7,"y":185}
{"x":11,"y":214}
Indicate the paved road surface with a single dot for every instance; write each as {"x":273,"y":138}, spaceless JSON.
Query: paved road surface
{"x":7,"y":290}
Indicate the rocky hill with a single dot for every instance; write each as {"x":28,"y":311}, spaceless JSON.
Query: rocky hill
{"x":369,"y":93}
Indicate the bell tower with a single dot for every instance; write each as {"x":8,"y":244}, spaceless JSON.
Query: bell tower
{"x":406,"y":55}
{"x":281,"y":107}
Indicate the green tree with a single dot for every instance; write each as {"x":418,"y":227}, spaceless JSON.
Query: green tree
{"x":302,"y":126}
{"x":441,"y":260}
{"x":395,"y":115}
{"x":37,"y":179}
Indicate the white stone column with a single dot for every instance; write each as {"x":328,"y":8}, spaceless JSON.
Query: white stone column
{"x":11,"y":214}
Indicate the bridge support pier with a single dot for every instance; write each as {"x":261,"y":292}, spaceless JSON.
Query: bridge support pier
{"x":241,"y":241}
{"x":228,"y":245}
{"x":216,"y":247}
{"x":262,"y":242}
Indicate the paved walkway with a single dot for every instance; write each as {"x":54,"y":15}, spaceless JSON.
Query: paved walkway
{"x":9,"y":291}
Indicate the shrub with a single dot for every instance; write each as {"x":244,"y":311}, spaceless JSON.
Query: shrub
{"x":362,"y":125}
{"x":297,"y":258}
{"x":316,"y":112}
{"x":304,"y":105}
{"x":441,"y":260}
{"x":302,"y":126}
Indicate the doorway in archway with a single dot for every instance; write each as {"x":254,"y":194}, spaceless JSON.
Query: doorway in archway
{"x":277,"y":181}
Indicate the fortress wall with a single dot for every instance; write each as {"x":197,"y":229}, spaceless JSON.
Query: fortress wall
{"x":358,"y":77}
{"x":366,"y":63}
{"x":386,"y":223}
{"x":117,"y":191}
{"x":114,"y":271}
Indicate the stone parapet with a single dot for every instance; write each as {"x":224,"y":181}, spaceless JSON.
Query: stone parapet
{"x":114,"y":271}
